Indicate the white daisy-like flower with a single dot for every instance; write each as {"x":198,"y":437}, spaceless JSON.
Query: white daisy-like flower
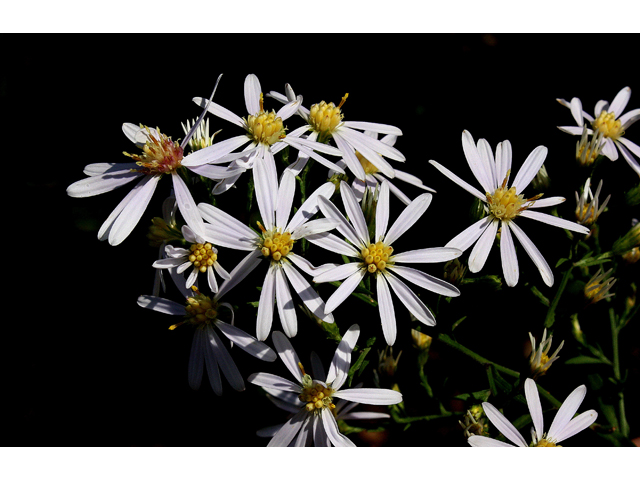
{"x":200,"y":255}
{"x":160,"y":156}
{"x":274,"y":243}
{"x":325,"y":122}
{"x":314,"y":418}
{"x":374,"y":177}
{"x":540,"y":361}
{"x":503,"y":205}
{"x":562,"y":427}
{"x":377,"y":257}
{"x":207,"y":349}
{"x":610,"y":123}
{"x":265,"y":135}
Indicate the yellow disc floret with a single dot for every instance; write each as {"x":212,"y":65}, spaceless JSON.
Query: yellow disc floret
{"x":200,"y":310}
{"x":505,"y":203}
{"x":275,"y":244}
{"x":546,"y":443}
{"x":369,"y":168}
{"x":202,"y":256}
{"x":160,"y":155}
{"x":315,"y":395}
{"x":608,"y":125}
{"x":264,"y":127}
{"x":376,"y":257}
{"x":325,"y":117}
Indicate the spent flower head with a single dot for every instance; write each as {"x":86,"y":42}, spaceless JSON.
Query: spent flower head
{"x":540,"y":361}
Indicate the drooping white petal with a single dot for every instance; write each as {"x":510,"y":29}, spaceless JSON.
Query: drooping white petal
{"x":161,"y":305}
{"x":211,"y":363}
{"x":265,"y":305}
{"x":225,"y":362}
{"x":567,"y":411}
{"x":138,"y":134}
{"x":411,"y":301}
{"x":410,"y":215}
{"x":555,"y":221}
{"x":609,"y":149}
{"x":530,"y":168}
{"x":320,"y":438}
{"x":98,"y":184}
{"x":504,"y":425}
{"x":576,"y":425}
{"x":339,"y":368}
{"x":575,"y":130}
{"x":246,"y":342}
{"x":387,"y":312}
{"x":468,"y":236}
{"x":427,"y":255}
{"x":480,"y":252}
{"x":307,"y":294}
{"x":94,"y":169}
{"x":508,"y":256}
{"x":534,"y":254}
{"x":382,"y":212}
{"x":630,"y":160}
{"x":344,"y":290}
{"x":331,"y":429}
{"x":370,"y":396}
{"x":287,"y":354}
{"x":452,"y":176}
{"x":426,"y":281}
{"x":535,"y":407}
{"x":274,"y":381}
{"x":630,"y":145}
{"x":286,"y":308}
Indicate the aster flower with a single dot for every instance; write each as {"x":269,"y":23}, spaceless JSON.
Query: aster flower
{"x":562,"y":427}
{"x":598,"y":287}
{"x":160,"y":156}
{"x":540,"y":361}
{"x":610,"y":124}
{"x":201,"y":138}
{"x":274,"y":243}
{"x":588,"y":207}
{"x":207,"y":349}
{"x":265,"y":135}
{"x":200,"y":255}
{"x":503,"y":205}
{"x":314,"y":417}
{"x":378,"y":259}
{"x":374,"y":177}
{"x":325,"y":122}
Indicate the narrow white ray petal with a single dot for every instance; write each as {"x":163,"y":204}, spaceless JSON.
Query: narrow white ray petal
{"x":349,"y":156}
{"x":227,"y":225}
{"x":411,"y":301}
{"x":410,"y":215}
{"x":503,"y":160}
{"x":364,"y":416}
{"x":575,"y":130}
{"x":211,"y":363}
{"x":332,"y":243}
{"x":266,"y":187}
{"x":331,"y":430}
{"x":187,"y":205}
{"x":225,"y":362}
{"x":370,"y":396}
{"x":221,"y":271}
{"x":387,"y":312}
{"x":452,"y":176}
{"x":345,"y":228}
{"x":489,"y":164}
{"x":287,"y":354}
{"x":374,"y":127}
{"x":361,"y":142}
{"x":548,"y":202}
{"x":193,"y":277}
{"x":215,"y":153}
{"x":609,"y":149}
{"x":339,"y":273}
{"x":311,"y":144}
{"x":382,"y":212}
{"x":289,"y":109}
{"x":246,"y":342}
{"x":268,"y":432}
{"x":307,"y":294}
{"x":530,"y":168}
{"x":317,"y":370}
{"x":377,"y":160}
{"x":306,"y":266}
{"x":132,"y":212}
{"x":619,"y":103}
{"x":314,"y":227}
{"x":171,"y":263}
{"x":274,"y":381}
{"x":289,"y":430}
{"x":252,"y":93}
{"x":480,"y":441}
{"x":555,"y":221}
{"x":576,"y":110}
{"x":630,"y":145}
{"x":534,"y":254}
{"x":567,"y":411}
{"x":630,"y":160}
{"x":535,"y":407}
{"x":196,"y":359}
{"x":220,"y":236}
{"x":265,"y":305}
{"x":219,"y":111}
{"x":339,"y":368}
{"x":508,"y":256}
{"x":138,"y":134}
{"x":503,"y":425}
{"x":480,"y":251}
{"x":304,"y":438}
{"x":310,"y":207}
{"x":425,"y":280}
{"x":468,"y":236}
{"x":161,"y":305}
{"x":412,"y":179}
{"x":343,"y":291}
{"x":286,"y":308}
{"x":98,"y":184}
{"x":354,"y":212}
{"x":294,"y":142}
{"x":320,"y":438}
{"x":477,"y":166}
{"x":576,"y":425}
{"x":427,"y":255}
{"x":396,"y":191}
{"x":94,"y":169}
{"x":628,"y":119}
{"x":285,"y":199}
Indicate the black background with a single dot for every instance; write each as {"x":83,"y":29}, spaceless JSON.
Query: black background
{"x":85,"y":366}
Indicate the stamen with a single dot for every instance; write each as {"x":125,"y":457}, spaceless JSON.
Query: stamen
{"x":275,"y":244}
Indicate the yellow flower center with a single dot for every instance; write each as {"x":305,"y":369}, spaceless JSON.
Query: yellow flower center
{"x":376,"y":257}
{"x":608,"y":125}
{"x":275,"y":244}
{"x":200,"y":310}
{"x":202,"y":256}
{"x":315,"y":395}
{"x":369,"y":168}
{"x":546,"y":443}
{"x":159,"y":155}
{"x":325,"y":117}
{"x":586,"y":215}
{"x":264,"y":127}
{"x":505,"y":204}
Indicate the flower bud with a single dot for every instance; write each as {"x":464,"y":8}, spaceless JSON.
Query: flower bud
{"x":541,"y":181}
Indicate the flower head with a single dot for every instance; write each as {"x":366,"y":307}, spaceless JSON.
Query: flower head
{"x":540,"y":361}
{"x":588,"y":207}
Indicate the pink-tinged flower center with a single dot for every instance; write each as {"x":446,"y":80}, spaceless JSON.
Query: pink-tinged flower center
{"x":160,"y":155}
{"x":608,"y":125}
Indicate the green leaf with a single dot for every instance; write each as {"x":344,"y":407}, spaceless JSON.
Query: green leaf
{"x":583,"y":360}
{"x":561,"y":261}
{"x":479,"y":396}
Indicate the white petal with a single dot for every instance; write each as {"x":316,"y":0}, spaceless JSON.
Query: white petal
{"x":548,"y":202}
{"x":427,"y":255}
{"x":567,"y":411}
{"x":468,"y":236}
{"x":555,"y":221}
{"x":314,"y":227}
{"x":535,"y":408}
{"x":628,"y":119}
{"x":452,"y":176}
{"x":354,"y":212}
{"x":252,"y":93}
{"x":575,"y":130}
{"x":410,"y":215}
{"x":489,"y":164}
{"x":576,"y":110}
{"x":534,"y":254}
{"x":310,"y":207}
{"x":332,"y":243}
{"x":320,"y":438}
{"x":630,"y":160}
{"x":619,"y":103}
{"x":360,"y":141}
{"x":161,"y":305}
{"x":331,"y":430}
{"x":382,"y":212}
{"x":480,"y":441}
{"x":530,"y":168}
{"x":343,"y":291}
{"x":339,"y":273}
{"x":579,"y":423}
{"x":426,"y":281}
{"x":307,"y":294}
{"x":196,"y":359}
{"x":285,"y":199}
{"x":187,"y":205}
{"x":94,"y":169}
{"x":216,"y":153}
{"x":307,"y":152}
{"x":286,"y":308}
{"x":364,"y":416}
{"x":503,"y":160}
{"x":219,"y":111}
{"x":98,"y":184}
{"x":480,"y":252}
{"x":339,"y":368}
{"x":508,"y":256}
{"x":370,"y":396}
{"x":478,"y":168}
{"x":387,"y":313}
{"x":274,"y":381}
{"x":609,"y":149}
{"x":210,"y":361}
{"x":289,"y":430}
{"x":345,"y":228}
{"x":503,"y":425}
{"x":266,"y":185}
{"x":247,"y":342}
{"x":349,"y":156}
{"x":227,"y":230}
{"x":225,"y":362}
{"x":265,"y":305}
{"x":287,"y":354}
{"x":374,"y":127}
{"x":411,"y":301}
{"x":246,"y":266}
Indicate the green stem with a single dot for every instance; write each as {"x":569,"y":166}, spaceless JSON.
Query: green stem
{"x":551,"y":315}
{"x":425,"y":418}
{"x":615,"y":330}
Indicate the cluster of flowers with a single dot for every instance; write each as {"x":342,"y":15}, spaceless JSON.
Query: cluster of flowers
{"x":369,"y":242}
